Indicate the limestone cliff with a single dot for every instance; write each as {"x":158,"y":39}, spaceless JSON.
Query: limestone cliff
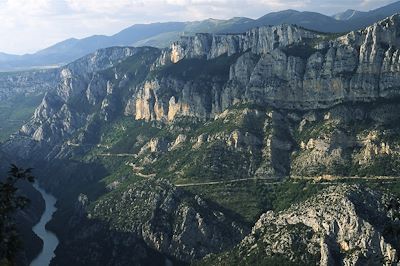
{"x":282,"y":66}
{"x":260,"y":40}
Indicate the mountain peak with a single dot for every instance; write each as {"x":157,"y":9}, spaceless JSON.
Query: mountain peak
{"x":289,"y":11}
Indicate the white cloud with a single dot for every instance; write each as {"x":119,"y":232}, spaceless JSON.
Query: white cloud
{"x":29,"y":25}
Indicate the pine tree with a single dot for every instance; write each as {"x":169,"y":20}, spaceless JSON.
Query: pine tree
{"x":10,"y":203}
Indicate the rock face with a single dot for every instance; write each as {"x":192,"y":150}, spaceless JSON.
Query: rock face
{"x":154,"y":214}
{"x":343,"y":225}
{"x":283,"y":66}
{"x":258,"y":41}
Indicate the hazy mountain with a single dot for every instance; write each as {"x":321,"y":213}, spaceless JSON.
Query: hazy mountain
{"x":71,"y":49}
{"x":162,"y":34}
{"x":309,"y":20}
{"x":155,"y":34}
{"x":342,"y":22}
{"x":360,"y":19}
{"x":6,"y":57}
{"x":238,"y":24}
{"x":367,"y":18}
{"x":348,"y":14}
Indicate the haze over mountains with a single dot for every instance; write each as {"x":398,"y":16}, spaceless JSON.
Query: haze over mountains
{"x":162,"y":34}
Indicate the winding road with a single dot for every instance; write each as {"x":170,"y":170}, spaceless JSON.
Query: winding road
{"x":273,"y":181}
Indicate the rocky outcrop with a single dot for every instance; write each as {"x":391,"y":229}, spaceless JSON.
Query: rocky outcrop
{"x":180,"y":139}
{"x":343,"y":225}
{"x":167,"y":99}
{"x":155,"y":145}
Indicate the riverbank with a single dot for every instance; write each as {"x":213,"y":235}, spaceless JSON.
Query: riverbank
{"x":25,"y":220}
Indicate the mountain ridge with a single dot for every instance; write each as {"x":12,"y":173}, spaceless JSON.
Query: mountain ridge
{"x":162,"y":34}
{"x":348,"y":14}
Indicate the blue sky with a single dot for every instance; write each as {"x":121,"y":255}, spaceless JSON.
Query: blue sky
{"x":29,"y":25}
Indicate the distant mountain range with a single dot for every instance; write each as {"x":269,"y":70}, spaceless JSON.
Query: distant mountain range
{"x":162,"y":34}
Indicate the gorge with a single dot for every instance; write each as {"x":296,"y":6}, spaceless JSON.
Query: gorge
{"x":278,"y":145}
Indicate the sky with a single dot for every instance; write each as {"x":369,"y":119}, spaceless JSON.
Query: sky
{"x":27,"y":26}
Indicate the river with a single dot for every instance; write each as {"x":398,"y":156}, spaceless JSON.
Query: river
{"x":50,"y":240}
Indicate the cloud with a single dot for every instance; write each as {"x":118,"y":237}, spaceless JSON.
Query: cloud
{"x":30,"y":25}
{"x":105,"y":6}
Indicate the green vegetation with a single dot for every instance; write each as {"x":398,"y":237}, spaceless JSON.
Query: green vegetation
{"x":128,"y":214}
{"x":383,"y":165}
{"x":307,"y":48}
{"x":121,"y":136}
{"x":211,"y":161}
{"x":250,"y":199}
{"x":10,"y":202}
{"x":15,"y":112}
